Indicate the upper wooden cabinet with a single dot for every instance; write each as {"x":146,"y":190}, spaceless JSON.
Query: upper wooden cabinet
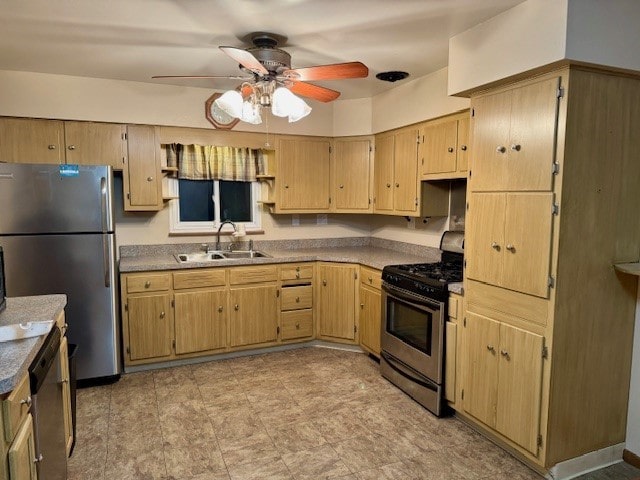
{"x":514,"y":133}
{"x":383,"y":174}
{"x":25,"y":140}
{"x":444,"y":147}
{"x":303,"y":170}
{"x":142,"y":177}
{"x":352,"y":169}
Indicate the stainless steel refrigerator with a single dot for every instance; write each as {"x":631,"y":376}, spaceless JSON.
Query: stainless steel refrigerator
{"x":57,"y":231}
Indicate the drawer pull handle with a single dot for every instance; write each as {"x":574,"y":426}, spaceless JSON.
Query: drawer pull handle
{"x":297,"y":275}
{"x":450,"y":149}
{"x":297,"y":299}
{"x":220,"y":309}
{"x":298,"y":326}
{"x":147,"y":284}
{"x":236,"y":307}
{"x":505,"y":354}
{"x":71,"y":147}
{"x":26,"y":401}
{"x":511,"y":248}
{"x":297,"y":269}
{"x":370,"y":280}
{"x":38,"y":459}
{"x":162,"y":314}
{"x":51,"y":147}
{"x":495,"y":245}
{"x":516,"y":147}
{"x":501,"y":149}
{"x":324,"y":282}
{"x":463,"y":148}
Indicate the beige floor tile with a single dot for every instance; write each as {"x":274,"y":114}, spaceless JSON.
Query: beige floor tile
{"x":236,"y":423}
{"x":295,"y":437}
{"x":92,"y":402}
{"x":148,"y":465}
{"x":217,"y":475}
{"x":252,"y":448}
{"x":197,"y":458}
{"x":340,"y":425}
{"x":364,"y":452}
{"x":393,"y":471}
{"x":315,"y":463}
{"x":261,"y":470}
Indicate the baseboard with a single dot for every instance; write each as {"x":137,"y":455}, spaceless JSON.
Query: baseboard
{"x":587,"y":463}
{"x":631,"y":458}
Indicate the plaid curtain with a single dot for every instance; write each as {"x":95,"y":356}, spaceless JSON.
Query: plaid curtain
{"x":208,"y":162}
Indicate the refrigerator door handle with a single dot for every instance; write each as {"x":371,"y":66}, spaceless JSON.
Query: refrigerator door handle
{"x":106,"y":256}
{"x":103,"y":203}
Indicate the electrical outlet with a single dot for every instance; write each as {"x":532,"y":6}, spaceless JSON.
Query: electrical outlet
{"x":295,"y":220}
{"x":321,"y":219}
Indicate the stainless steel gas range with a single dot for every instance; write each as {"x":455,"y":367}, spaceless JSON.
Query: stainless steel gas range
{"x":414,"y":311}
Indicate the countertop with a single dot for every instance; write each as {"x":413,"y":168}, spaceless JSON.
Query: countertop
{"x":17,"y":355}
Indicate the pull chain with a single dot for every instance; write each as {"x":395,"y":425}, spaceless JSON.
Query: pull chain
{"x":266,"y":123}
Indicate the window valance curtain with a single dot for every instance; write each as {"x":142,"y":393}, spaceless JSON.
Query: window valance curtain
{"x":208,"y":162}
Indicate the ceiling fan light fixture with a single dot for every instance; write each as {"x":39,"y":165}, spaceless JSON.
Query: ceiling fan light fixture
{"x":286,"y":104}
{"x":251,"y":113}
{"x":230,"y":102}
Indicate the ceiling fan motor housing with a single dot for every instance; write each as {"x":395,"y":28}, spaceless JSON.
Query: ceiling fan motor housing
{"x":273,"y":59}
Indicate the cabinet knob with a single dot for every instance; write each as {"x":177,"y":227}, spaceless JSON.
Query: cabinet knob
{"x":501,"y":149}
{"x":236,"y":307}
{"x":297,"y":269}
{"x":450,"y":149}
{"x":491,"y":348}
{"x":297,"y":325}
{"x":397,"y":185}
{"x":324,"y":282}
{"x":495,"y":245}
{"x":162,"y":314}
{"x":220,"y":309}
{"x":388,"y":185}
{"x":286,"y":186}
{"x":341,"y":186}
{"x":26,"y":401}
{"x":149,"y":179}
{"x":516,"y":147}
{"x":298,"y":275}
{"x":51,"y":147}
{"x":147,"y":284}
{"x":370,"y":280}
{"x":511,"y":248}
{"x":362,"y":305}
{"x":71,"y":147}
{"x":38,"y":459}
{"x":505,"y":354}
{"x":297,"y":299}
{"x":463,"y":148}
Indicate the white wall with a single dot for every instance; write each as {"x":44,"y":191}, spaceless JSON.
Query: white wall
{"x":352,"y":117}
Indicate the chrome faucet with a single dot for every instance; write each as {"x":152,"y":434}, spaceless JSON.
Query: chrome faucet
{"x":220,"y":228}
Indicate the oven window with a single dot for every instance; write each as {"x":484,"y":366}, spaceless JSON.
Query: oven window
{"x":410,"y":324}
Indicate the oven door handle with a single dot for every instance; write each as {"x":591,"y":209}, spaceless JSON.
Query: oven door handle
{"x":425,"y":304}
{"x":423,"y":382}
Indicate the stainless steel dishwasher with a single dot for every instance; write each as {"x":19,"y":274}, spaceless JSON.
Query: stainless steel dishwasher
{"x":47,"y":410}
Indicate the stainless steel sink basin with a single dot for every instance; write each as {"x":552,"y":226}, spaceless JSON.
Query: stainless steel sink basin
{"x":218,"y":255}
{"x":244,"y":254}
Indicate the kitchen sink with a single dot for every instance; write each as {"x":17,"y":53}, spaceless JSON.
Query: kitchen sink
{"x":218,"y":255}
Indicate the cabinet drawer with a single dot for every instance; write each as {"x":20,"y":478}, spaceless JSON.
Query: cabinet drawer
{"x":371,"y":277}
{"x":199,"y":278}
{"x":296,"y":271}
{"x":241,"y":275}
{"x":156,"y":282}
{"x":15,"y":407}
{"x":453,"y":307}
{"x":296,"y":298}
{"x":297,"y":324}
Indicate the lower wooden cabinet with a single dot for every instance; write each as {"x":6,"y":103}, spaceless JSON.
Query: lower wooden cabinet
{"x":296,"y":324}
{"x":370,"y":313}
{"x":336,"y":301}
{"x":66,"y":394}
{"x":254,"y":315}
{"x":22,"y":453}
{"x":503,"y":378}
{"x":200,"y":321}
{"x":148,"y":327}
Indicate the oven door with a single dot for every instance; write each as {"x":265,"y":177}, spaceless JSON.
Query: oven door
{"x":413,"y":330}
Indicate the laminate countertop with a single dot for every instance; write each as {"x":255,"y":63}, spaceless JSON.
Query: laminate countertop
{"x":17,"y":355}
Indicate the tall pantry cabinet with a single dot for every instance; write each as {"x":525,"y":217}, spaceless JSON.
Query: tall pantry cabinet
{"x":553,"y":189}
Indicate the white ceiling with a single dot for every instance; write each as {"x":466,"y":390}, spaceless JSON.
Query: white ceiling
{"x":135,"y":39}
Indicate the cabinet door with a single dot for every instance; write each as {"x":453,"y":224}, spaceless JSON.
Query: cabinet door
{"x":142,"y":182}
{"x":383,"y":173}
{"x":519,"y":386}
{"x":200,"y":321}
{"x":149,"y":324}
{"x":353,"y":175}
{"x":490,"y":123}
{"x":482,"y":337}
{"x":405,"y":172}
{"x":66,"y":394}
{"x":22,"y":453}
{"x":463,"y":145}
{"x":303,"y":175}
{"x":438,"y":148}
{"x":336,"y":301}
{"x":253,"y":315}
{"x":370,"y":319}
{"x":90,"y":143}
{"x":527,"y":242}
{"x":485,"y":237}
{"x":23,"y":140}
{"x":531,"y":146}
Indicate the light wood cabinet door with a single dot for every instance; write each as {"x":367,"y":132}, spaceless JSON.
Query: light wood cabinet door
{"x":438,"y":148}
{"x":142,"y":176}
{"x":519,"y":386}
{"x":485,"y":237}
{"x":303,"y":175}
{"x":24,"y":140}
{"x":150,"y":332}
{"x":370,"y":319}
{"x":90,"y":143}
{"x":482,"y":340}
{"x":66,"y":394}
{"x":463,"y":144}
{"x":200,"y":321}
{"x":383,"y":174}
{"x":405,"y":172}
{"x":22,"y":452}
{"x":253,"y":316}
{"x":352,"y":173}
{"x":336,"y":301}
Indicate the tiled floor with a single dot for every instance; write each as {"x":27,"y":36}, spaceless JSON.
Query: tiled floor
{"x":310,"y":413}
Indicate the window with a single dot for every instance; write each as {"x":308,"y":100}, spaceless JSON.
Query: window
{"x":202,"y":204}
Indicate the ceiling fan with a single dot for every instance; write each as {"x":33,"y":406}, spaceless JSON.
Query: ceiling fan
{"x":271,"y":82}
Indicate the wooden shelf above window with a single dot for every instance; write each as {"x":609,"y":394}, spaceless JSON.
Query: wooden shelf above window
{"x":630,"y":268}
{"x":265,"y":177}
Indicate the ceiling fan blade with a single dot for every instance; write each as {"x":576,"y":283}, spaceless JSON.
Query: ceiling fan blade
{"x":203,"y":76}
{"x":336,"y":71}
{"x":314,"y":91}
{"x":246,"y":59}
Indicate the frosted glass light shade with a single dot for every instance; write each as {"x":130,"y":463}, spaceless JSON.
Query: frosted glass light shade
{"x":286,"y":104}
{"x":230,"y":102}
{"x":251,"y":113}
